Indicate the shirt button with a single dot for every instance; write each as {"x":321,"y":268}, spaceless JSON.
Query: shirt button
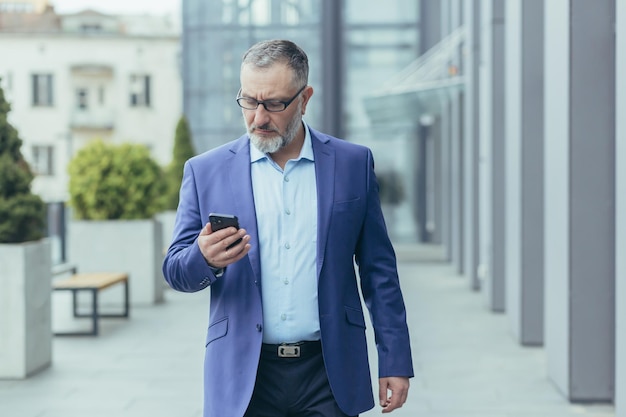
{"x":287,"y":246}
{"x":286,"y":179}
{"x":287,"y":212}
{"x":259,"y":327}
{"x":286,"y":281}
{"x":283,"y":317}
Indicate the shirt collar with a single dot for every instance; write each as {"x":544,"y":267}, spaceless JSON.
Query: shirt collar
{"x":305,"y":153}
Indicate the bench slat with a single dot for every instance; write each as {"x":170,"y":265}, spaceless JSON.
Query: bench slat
{"x":98,"y":280}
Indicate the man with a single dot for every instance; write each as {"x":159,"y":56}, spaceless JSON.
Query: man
{"x":286,"y":332}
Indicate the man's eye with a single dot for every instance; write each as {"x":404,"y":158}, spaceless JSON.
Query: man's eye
{"x":250,"y":102}
{"x":274,"y":105}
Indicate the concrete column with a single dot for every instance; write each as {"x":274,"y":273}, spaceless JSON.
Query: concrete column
{"x":450,"y":19}
{"x":431,"y":137}
{"x":620,"y":211}
{"x":524,"y":169}
{"x":455,"y":179}
{"x":445,"y":226}
{"x":492,"y":169}
{"x":580,"y":197}
{"x":430,"y":24}
{"x":471,"y":102}
{"x":333,"y":67}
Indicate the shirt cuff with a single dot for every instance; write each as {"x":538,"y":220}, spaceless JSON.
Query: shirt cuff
{"x":218,"y":272}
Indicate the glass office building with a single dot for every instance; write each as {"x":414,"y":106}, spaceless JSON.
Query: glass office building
{"x":354,"y":46}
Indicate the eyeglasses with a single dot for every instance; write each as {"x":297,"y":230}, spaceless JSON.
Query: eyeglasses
{"x":274,"y":106}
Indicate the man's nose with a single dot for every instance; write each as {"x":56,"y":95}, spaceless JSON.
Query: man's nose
{"x":261,"y":114}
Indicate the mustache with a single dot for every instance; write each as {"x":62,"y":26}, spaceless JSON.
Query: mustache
{"x":263,"y":127}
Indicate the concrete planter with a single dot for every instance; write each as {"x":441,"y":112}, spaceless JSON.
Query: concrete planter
{"x":25,"y":312}
{"x":131,"y":246}
{"x":167,"y":219}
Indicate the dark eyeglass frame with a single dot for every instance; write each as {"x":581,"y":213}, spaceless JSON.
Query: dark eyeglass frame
{"x":265,"y":102}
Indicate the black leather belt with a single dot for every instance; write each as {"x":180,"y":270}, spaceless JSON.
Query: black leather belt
{"x":292,"y":350}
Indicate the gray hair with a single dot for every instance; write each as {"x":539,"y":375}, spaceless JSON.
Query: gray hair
{"x":267,"y":53}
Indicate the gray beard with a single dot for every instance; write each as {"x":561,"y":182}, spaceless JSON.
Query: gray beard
{"x":269,"y":145}
{"x":276,"y":143}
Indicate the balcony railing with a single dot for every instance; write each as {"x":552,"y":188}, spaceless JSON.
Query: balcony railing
{"x":93,"y":119}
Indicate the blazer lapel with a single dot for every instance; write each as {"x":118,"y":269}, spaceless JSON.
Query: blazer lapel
{"x":243,"y":199}
{"x":324,"y":155}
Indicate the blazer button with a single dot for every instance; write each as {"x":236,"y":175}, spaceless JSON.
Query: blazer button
{"x":259,"y":327}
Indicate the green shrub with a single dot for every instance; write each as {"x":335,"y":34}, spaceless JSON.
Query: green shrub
{"x":111,"y":182}
{"x":183,"y":150}
{"x":22,"y":214}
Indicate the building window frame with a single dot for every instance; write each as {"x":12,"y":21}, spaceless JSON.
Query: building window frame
{"x":42,"y":159}
{"x":140,"y":90}
{"x":82,"y":98}
{"x":43,"y":90}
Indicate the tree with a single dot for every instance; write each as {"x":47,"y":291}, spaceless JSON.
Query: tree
{"x":22,"y":213}
{"x":183,"y":150}
{"x":114,"y":182}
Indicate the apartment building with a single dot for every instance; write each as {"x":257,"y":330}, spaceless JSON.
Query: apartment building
{"x":78,"y":77}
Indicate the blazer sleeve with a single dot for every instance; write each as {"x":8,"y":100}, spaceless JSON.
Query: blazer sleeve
{"x":184,"y":266}
{"x":380,"y":286}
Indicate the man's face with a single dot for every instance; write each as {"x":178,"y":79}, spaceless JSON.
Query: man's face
{"x":271,"y":131}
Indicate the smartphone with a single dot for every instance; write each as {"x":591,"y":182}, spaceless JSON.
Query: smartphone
{"x":221,"y":221}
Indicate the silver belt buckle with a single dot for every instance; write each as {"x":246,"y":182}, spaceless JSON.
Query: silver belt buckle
{"x":288,"y":351}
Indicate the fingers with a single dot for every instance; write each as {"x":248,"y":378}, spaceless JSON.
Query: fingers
{"x":216,"y":246}
{"x":392,"y":392}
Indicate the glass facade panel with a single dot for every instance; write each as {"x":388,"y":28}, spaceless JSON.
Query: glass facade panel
{"x":382,"y":38}
{"x":354,"y":46}
{"x":216,"y":34}
{"x":376,"y":12}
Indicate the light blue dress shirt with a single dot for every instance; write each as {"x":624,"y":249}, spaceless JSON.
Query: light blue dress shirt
{"x":286,"y":210}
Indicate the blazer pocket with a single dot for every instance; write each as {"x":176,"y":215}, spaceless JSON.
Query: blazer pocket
{"x":355,"y":317}
{"x":217,"y":330}
{"x":347,"y":205}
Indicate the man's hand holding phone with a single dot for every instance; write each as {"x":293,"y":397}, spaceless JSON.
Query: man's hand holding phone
{"x":222,"y":242}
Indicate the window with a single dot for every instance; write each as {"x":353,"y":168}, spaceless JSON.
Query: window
{"x":82,"y":99}
{"x":16,"y":7}
{"x":91,"y":27}
{"x":42,"y":161}
{"x":42,"y":90}
{"x":101,"y":95}
{"x":140,"y":91}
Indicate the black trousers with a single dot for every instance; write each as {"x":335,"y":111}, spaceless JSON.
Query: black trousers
{"x":293,"y":386}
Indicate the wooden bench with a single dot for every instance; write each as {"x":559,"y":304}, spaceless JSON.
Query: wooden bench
{"x":92,"y":282}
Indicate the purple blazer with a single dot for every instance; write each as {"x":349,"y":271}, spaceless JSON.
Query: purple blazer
{"x":350,"y":227}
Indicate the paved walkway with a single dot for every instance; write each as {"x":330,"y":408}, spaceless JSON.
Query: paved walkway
{"x":466,"y":362}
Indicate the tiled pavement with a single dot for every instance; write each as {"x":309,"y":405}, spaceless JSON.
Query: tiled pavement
{"x":466,"y":362}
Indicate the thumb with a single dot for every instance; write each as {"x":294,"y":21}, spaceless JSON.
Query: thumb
{"x":206,"y":230}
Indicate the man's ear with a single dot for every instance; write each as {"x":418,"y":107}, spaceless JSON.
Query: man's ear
{"x":306,"y":95}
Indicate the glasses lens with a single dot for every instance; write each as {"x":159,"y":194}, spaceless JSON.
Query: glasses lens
{"x":247,"y":103}
{"x":274,"y":106}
